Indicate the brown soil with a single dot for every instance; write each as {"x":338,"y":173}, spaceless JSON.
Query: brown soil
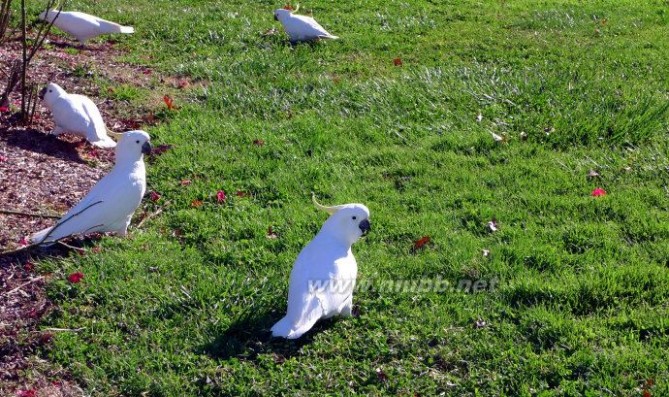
{"x":44,"y":174}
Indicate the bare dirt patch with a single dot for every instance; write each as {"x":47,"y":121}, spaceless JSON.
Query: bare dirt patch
{"x":44,"y":174}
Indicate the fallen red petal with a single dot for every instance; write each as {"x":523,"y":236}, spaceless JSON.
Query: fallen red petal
{"x":220,"y":196}
{"x":397,"y":61}
{"x":196,"y":203}
{"x":420,"y":243}
{"x":598,"y":192}
{"x":75,"y":277}
{"x":169,"y":102}
{"x":94,"y":153}
{"x":154,"y":196}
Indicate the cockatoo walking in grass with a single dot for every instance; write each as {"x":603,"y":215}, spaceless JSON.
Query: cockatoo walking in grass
{"x":83,"y":26}
{"x":76,"y":114}
{"x":109,"y":206}
{"x":301,"y":27}
{"x":324,"y":274}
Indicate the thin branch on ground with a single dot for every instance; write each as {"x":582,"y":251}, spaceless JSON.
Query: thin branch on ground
{"x":151,"y":215}
{"x":61,"y":329}
{"x":33,"y":214}
{"x":32,"y":280}
{"x":79,"y":249}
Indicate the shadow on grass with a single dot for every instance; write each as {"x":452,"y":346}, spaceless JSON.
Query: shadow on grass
{"x":251,"y":336}
{"x":76,"y":245}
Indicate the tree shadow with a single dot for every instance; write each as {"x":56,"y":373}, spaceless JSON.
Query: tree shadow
{"x":33,"y":140}
{"x":250,"y":336}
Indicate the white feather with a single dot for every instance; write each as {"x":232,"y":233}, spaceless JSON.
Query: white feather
{"x":301,"y":27}
{"x":77,"y":114}
{"x":324,"y":274}
{"x":83,"y":26}
{"x":109,"y":206}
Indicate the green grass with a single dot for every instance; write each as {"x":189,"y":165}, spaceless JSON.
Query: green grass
{"x":183,"y":307}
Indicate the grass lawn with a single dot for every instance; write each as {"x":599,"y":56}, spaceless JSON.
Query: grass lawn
{"x":183,"y":306}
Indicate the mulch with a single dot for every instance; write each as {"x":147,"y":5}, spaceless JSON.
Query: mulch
{"x":45,"y":174}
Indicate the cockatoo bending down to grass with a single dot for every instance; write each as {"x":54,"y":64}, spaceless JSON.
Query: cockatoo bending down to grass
{"x":83,"y":26}
{"x":324,"y":274}
{"x":76,"y":114}
{"x":109,"y":206}
{"x":301,"y":27}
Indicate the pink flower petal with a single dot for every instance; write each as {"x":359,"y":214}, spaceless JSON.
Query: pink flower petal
{"x":598,"y":192}
{"x":75,"y":277}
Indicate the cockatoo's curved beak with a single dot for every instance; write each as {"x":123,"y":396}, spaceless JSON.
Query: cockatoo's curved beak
{"x":276,"y":18}
{"x":365,"y":226}
{"x":146,"y":148}
{"x":41,"y":93}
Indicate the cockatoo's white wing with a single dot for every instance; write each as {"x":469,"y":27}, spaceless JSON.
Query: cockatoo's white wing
{"x":313,"y":27}
{"x":106,"y":208}
{"x":77,"y":114}
{"x":96,"y":132}
{"x":69,"y":114}
{"x":321,"y":282}
{"x":304,"y":28}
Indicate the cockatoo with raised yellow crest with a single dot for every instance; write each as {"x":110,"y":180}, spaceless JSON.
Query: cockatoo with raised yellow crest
{"x":324,"y":275}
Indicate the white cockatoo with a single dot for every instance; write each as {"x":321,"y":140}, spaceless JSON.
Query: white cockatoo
{"x":301,"y":27}
{"x":76,"y":114}
{"x":109,"y":206}
{"x":83,"y":26}
{"x":324,"y":274}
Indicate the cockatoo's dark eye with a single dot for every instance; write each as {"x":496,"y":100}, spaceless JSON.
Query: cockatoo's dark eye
{"x":138,"y":142}
{"x":50,"y":90}
{"x":355,"y":217}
